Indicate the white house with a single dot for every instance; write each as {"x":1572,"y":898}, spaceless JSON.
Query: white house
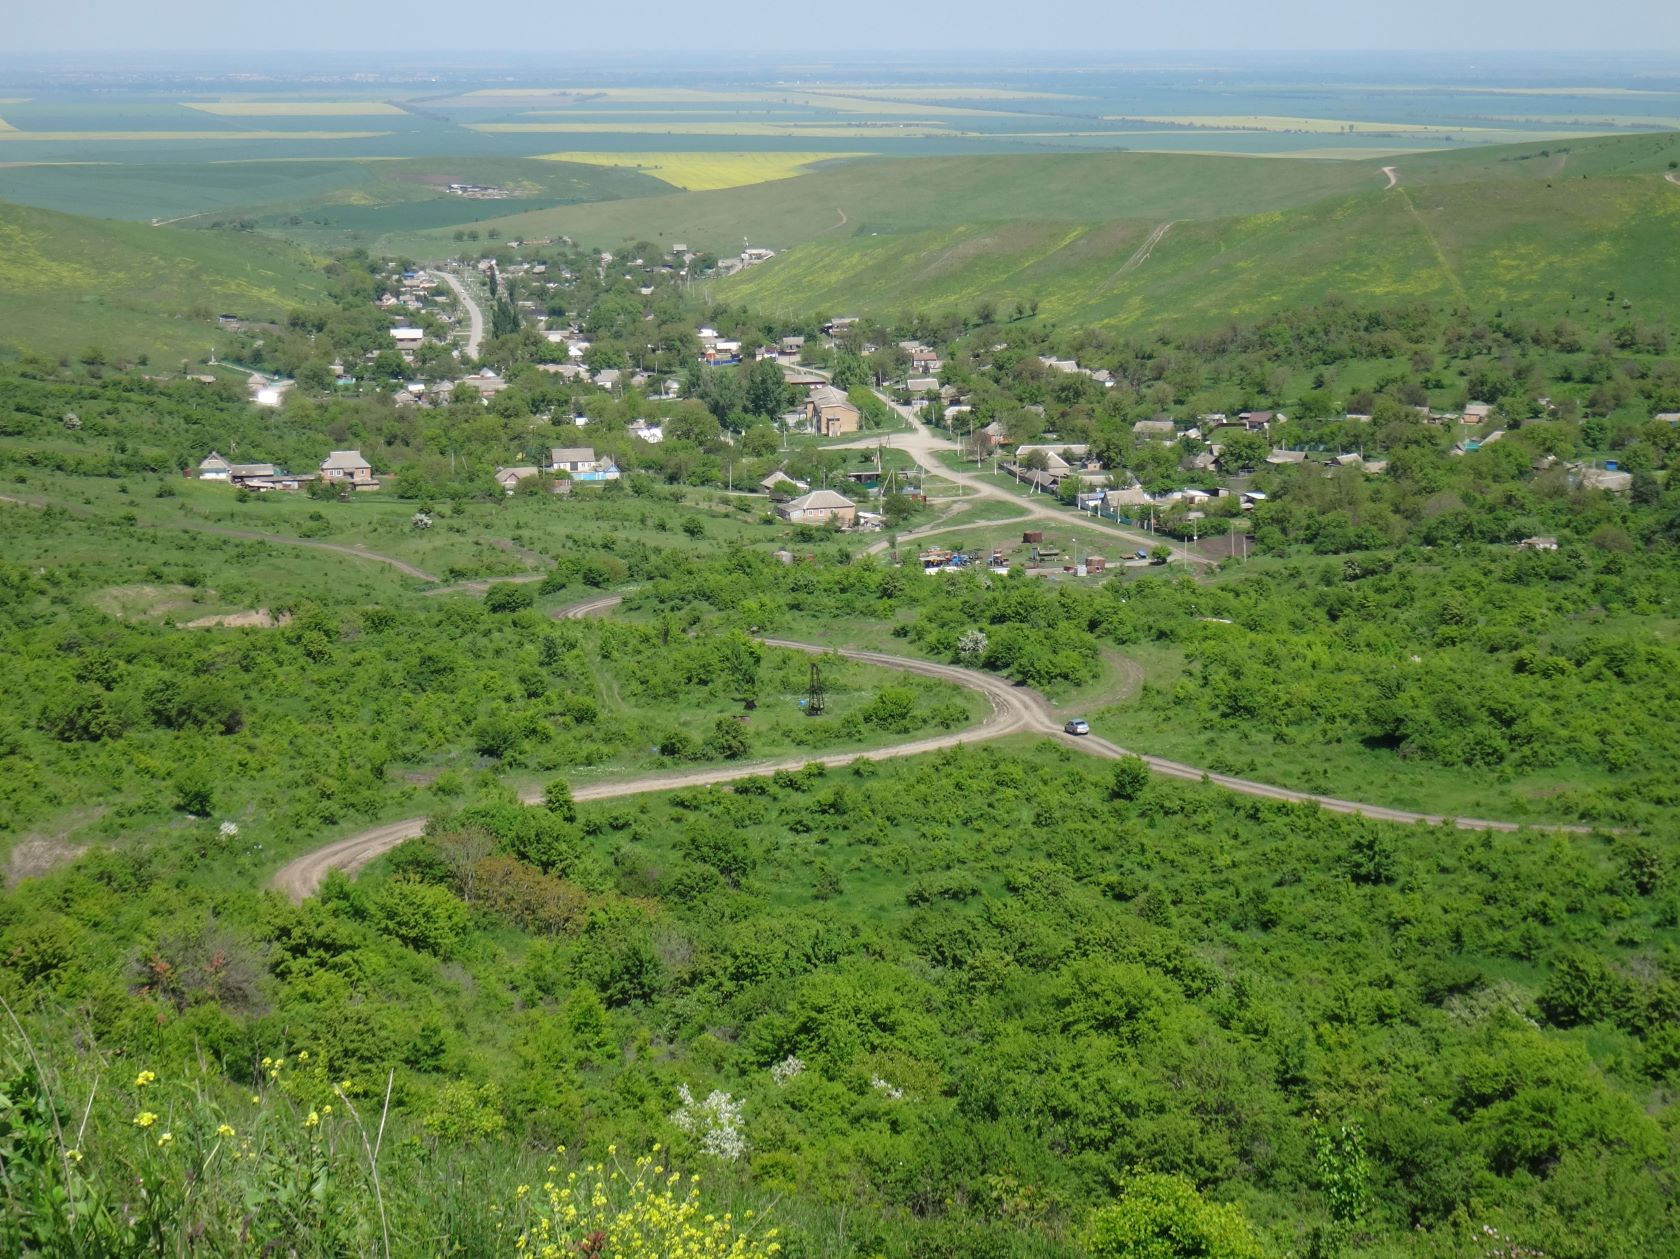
{"x":214,"y":468}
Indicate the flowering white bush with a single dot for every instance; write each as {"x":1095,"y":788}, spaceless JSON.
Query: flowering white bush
{"x":882,"y":1086}
{"x":786,"y":1069}
{"x":972,"y":645}
{"x":228,"y":830}
{"x":716,"y":1121}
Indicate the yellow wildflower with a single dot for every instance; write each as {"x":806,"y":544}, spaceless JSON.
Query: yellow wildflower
{"x":145,"y":1119}
{"x":166,"y":1138}
{"x":344,"y":1086}
{"x":224,"y":1130}
{"x":303,"y":1055}
{"x":255,"y":1100}
{"x":75,"y":1156}
{"x":144,"y":1078}
{"x":312,"y":1120}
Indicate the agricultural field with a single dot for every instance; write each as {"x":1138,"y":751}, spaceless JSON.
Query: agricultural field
{"x":706,"y":172}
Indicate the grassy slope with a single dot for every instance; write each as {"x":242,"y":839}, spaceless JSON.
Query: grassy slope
{"x":68,"y":282}
{"x":892,"y":195}
{"x":1485,"y":233}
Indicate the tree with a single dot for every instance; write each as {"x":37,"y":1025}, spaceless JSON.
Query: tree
{"x":1131,"y":778}
{"x":1241,"y":451}
{"x":767,"y":390}
{"x":557,"y":799}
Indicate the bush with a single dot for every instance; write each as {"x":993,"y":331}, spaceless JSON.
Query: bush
{"x":1164,"y":1217}
{"x":507,"y":596}
{"x":426,"y":918}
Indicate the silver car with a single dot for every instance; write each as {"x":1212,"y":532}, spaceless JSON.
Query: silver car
{"x":1078,"y":725}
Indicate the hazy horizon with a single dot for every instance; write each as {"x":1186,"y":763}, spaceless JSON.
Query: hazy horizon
{"x":868,"y":28}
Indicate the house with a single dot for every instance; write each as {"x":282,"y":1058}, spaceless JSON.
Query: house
{"x":349,"y":468}
{"x":582,"y":464}
{"x":407,"y":339}
{"x":1608,"y":479}
{"x":652,"y":434}
{"x":804,"y":380}
{"x":1162,"y":430}
{"x":1667,"y":417}
{"x":1538,"y":544}
{"x":608,"y":377}
{"x":213,"y":468}
{"x":839,"y":325}
{"x":1134,"y":495}
{"x":1260,"y":421}
{"x":792,"y":346}
{"x":831,"y":413}
{"x":486,"y":383}
{"x":925,"y":362}
{"x":251,"y":475}
{"x":922,"y":385}
{"x":1477,"y":412}
{"x":1287,"y":456}
{"x":995,"y":433}
{"x":780,"y":485}
{"x":572,"y":459}
{"x":819,"y":507}
{"x":509,"y":478}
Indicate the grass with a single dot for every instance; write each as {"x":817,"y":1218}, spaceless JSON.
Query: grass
{"x":698,"y":172}
{"x":1349,"y":771}
{"x":1547,"y":247}
{"x":293,"y":109}
{"x":67,"y":283}
{"x":895,"y":196}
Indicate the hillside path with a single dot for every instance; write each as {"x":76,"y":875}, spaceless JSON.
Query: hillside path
{"x":475,"y":316}
{"x":1672,"y":178}
{"x":1393,"y":173}
{"x":1145,"y":249}
{"x":1014,"y":710}
{"x":252,"y":535}
{"x":921,"y":444}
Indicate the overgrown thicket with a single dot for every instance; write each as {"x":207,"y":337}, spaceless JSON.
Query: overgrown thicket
{"x":290,"y":730}
{"x":948,"y":1007}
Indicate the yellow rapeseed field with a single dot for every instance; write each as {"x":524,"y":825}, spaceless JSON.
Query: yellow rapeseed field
{"x":293,"y":109}
{"x":701,"y":172}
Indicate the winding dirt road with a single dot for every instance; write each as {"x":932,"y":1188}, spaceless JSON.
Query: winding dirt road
{"x":1393,"y":173}
{"x":1014,"y":710}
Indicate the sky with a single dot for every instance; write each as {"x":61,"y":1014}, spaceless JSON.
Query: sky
{"x":670,"y":27}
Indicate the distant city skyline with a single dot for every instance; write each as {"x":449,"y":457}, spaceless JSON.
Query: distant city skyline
{"x":665,"y":28}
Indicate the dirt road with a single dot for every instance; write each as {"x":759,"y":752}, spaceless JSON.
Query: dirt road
{"x":1393,"y":174}
{"x":1014,"y":710}
{"x":1673,"y":178}
{"x":921,"y":445}
{"x":1144,"y":250}
{"x":475,"y":316}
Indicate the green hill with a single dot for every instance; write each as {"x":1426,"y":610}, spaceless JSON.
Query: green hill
{"x":1479,"y":244}
{"x":68,"y":283}
{"x":896,"y":195}
{"x":1545,"y":224}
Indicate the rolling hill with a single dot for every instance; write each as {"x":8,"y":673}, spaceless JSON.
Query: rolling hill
{"x":68,"y":283}
{"x":1087,"y":236}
